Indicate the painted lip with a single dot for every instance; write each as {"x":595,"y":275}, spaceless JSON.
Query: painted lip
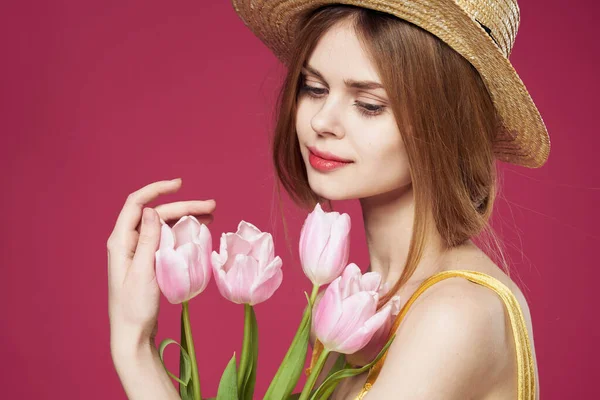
{"x":325,"y":164}
{"x":327,"y":156}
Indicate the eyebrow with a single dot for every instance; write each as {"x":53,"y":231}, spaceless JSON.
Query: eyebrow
{"x":365,"y":85}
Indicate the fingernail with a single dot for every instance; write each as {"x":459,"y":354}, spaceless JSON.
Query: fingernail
{"x":148,"y":215}
{"x":175,"y":180}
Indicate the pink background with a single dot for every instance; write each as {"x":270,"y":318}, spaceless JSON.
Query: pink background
{"x":99,"y":99}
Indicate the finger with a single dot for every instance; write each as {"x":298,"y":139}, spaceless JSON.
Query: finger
{"x":205,"y":219}
{"x":131,"y":212}
{"x":174,"y":211}
{"x":142,"y":266}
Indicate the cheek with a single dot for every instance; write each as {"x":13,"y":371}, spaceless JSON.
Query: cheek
{"x":385,"y":156}
{"x":381,"y":144}
{"x":302,"y":120}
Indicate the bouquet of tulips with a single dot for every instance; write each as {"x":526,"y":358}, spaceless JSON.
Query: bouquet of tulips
{"x":247,"y":272}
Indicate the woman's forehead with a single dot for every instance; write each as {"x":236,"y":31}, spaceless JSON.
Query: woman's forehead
{"x":339,"y":55}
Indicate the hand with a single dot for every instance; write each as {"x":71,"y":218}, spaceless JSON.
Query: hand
{"x":133,"y":292}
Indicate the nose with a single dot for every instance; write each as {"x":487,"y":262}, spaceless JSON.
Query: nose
{"x":327,"y":120}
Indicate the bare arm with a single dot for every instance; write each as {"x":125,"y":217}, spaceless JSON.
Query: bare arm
{"x":133,"y":292}
{"x":142,"y":373}
{"x":451,"y":346}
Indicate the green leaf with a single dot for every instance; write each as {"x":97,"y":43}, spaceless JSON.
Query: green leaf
{"x":228,"y":389}
{"x":328,"y":386}
{"x":291,"y":367}
{"x":250,"y":380}
{"x":186,"y":372}
{"x":339,"y":364}
{"x":296,"y":396}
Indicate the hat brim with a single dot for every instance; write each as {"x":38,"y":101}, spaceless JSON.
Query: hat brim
{"x":524,"y":138}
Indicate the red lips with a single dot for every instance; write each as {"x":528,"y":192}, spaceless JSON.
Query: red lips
{"x":327,"y":156}
{"x":323,"y":161}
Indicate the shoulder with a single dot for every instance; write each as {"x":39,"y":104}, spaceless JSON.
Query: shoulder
{"x":461,"y":313}
{"x":454,"y":302}
{"x":450,"y":345}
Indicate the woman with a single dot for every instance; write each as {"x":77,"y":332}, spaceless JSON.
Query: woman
{"x":377,"y":108}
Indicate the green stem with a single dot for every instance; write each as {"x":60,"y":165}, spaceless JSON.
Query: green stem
{"x":245,"y":348}
{"x":312,"y":378}
{"x":313,"y":295}
{"x":191,"y":352}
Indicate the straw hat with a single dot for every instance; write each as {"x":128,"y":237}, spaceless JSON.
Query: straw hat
{"x":482,"y":31}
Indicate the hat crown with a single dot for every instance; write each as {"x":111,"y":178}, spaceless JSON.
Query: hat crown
{"x":499,"y":18}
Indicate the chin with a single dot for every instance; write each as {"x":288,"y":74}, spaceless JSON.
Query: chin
{"x":330,"y":192}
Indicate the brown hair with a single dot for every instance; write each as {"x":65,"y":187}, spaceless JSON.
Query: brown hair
{"x":444,"y":113}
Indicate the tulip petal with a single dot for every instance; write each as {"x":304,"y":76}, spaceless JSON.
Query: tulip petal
{"x":167,"y":240}
{"x":223,"y":244}
{"x":263,"y":250}
{"x":222,"y":284}
{"x":267,"y":273}
{"x":383,"y":331}
{"x":384,"y":288}
{"x":395,"y":304}
{"x":172,"y":275}
{"x":185,"y":230}
{"x":302,"y":245}
{"x":350,"y":282}
{"x":240,"y":278}
{"x":375,"y":344}
{"x":351,"y":270}
{"x":199,"y":269}
{"x":203,"y":270}
{"x":328,"y":312}
{"x":351,"y":285}
{"x":232,"y":244}
{"x":265,"y":290}
{"x":360,"y":338}
{"x":191,"y":254}
{"x":316,"y":234}
{"x":237,"y":244}
{"x":217,"y":260}
{"x":356,"y":310}
{"x":320,"y":270}
{"x":337,"y":250}
{"x":247,"y":231}
{"x":371,"y":281}
{"x":204,"y":238}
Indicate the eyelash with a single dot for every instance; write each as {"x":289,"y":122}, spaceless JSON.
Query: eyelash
{"x":363,"y":108}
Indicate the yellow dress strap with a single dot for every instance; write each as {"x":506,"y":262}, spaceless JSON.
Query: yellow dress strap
{"x":525,"y":364}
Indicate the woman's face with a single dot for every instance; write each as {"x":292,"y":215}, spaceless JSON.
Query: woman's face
{"x":349,"y":120}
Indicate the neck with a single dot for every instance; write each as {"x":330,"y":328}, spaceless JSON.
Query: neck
{"x":388,"y":220}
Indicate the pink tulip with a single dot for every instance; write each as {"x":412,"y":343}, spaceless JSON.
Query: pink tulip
{"x":380,"y":338}
{"x":183,"y":267}
{"x":346,"y":317}
{"x":246,"y":269}
{"x":324,"y":245}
